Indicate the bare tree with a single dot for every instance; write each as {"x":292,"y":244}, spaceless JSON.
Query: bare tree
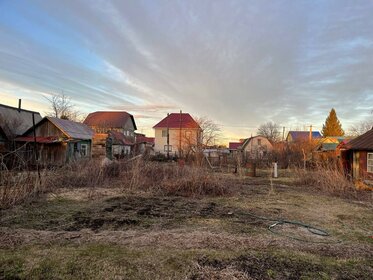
{"x":270,"y":130}
{"x":361,"y":127}
{"x":210,"y":131}
{"x":62,"y":107}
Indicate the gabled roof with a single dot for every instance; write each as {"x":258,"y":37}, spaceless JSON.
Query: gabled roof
{"x":119,"y":138}
{"x":71,"y":129}
{"x":303,"y":135}
{"x":234,"y":145}
{"x":17,"y":120}
{"x":109,"y":119}
{"x":177,"y":120}
{"x":363,"y":142}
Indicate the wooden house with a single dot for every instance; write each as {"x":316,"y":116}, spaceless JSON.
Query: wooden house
{"x":256,"y":147}
{"x":117,"y":122}
{"x":177,"y":134}
{"x":144,"y":144}
{"x":357,"y":156}
{"x":57,"y":142}
{"x":327,"y":147}
{"x":15,"y":121}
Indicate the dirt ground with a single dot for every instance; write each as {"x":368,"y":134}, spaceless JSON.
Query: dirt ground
{"x":112,"y":233}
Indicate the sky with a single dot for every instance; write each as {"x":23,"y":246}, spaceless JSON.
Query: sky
{"x":239,"y":63}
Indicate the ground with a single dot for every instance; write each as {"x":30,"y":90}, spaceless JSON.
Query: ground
{"x":114,"y":233}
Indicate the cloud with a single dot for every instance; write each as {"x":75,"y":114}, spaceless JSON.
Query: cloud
{"x":238,"y":62}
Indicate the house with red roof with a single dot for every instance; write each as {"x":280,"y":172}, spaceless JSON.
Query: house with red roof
{"x":116,"y":128}
{"x":177,"y":134}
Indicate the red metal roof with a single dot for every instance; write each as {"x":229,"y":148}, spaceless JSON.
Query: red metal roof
{"x":143,"y":139}
{"x":109,"y":119}
{"x":41,"y":140}
{"x":177,"y":120}
{"x":234,"y":145}
{"x":120,"y":138}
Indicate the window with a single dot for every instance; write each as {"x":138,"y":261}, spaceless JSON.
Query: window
{"x":169,"y":148}
{"x":259,"y":142}
{"x":84,"y":150}
{"x":164,"y":133}
{"x":188,"y":134}
{"x":370,"y":162}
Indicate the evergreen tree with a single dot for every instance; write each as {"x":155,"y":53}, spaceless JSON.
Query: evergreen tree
{"x":332,"y":126}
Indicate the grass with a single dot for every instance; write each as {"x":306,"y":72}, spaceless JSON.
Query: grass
{"x":128,"y":233}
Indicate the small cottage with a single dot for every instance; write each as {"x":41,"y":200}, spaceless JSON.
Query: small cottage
{"x":144,"y":144}
{"x":256,"y":147}
{"x":117,"y":122}
{"x":177,"y":134}
{"x":57,"y":142}
{"x":357,"y":156}
{"x":15,"y":121}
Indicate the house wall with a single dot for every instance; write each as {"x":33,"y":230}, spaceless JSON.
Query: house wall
{"x":47,"y":129}
{"x":254,"y":149}
{"x":188,"y":137}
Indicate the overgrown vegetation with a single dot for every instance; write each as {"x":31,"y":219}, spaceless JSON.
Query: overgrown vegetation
{"x":327,"y":178}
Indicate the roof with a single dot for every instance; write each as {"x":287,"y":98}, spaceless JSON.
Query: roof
{"x":327,"y":147}
{"x":42,"y":140}
{"x":71,"y":129}
{"x":109,"y":119}
{"x":140,"y":138}
{"x":303,"y":135}
{"x":363,"y":142}
{"x":119,"y":138}
{"x":177,"y":120}
{"x":234,"y":145}
{"x":18,"y":120}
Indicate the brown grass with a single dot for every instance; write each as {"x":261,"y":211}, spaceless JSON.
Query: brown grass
{"x":16,"y":187}
{"x":171,"y":179}
{"x":164,"y":178}
{"x":328,"y":178}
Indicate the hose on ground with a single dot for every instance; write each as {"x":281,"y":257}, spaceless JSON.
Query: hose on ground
{"x":310,"y":228}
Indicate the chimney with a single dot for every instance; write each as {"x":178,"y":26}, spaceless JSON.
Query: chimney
{"x":19,"y":105}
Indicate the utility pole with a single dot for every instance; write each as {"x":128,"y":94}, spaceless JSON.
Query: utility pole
{"x":310,"y":133}
{"x":283,"y":133}
{"x":168,"y":138}
{"x":181,"y":119}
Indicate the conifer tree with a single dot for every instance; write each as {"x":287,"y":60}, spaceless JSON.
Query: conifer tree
{"x":332,"y":126}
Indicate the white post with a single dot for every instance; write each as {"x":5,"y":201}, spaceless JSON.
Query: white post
{"x":275,"y":170}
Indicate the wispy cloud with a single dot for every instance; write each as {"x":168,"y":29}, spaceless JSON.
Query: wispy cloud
{"x":234,"y":61}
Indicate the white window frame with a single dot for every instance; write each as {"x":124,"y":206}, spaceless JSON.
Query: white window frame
{"x":164,"y":133}
{"x":169,"y":148}
{"x":85,"y":149}
{"x":370,"y":162}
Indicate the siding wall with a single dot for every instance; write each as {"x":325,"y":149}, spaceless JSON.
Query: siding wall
{"x":160,"y":142}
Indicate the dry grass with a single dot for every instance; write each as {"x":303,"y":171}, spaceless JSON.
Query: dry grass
{"x":16,"y":187}
{"x":171,"y":179}
{"x":164,"y":178}
{"x":326,"y":178}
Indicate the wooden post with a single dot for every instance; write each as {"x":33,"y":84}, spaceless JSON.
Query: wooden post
{"x":36,"y":156}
